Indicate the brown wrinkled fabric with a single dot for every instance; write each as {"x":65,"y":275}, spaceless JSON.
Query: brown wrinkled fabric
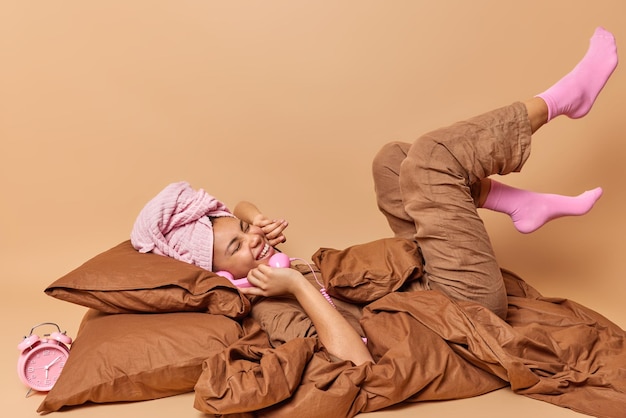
{"x":250,"y":374}
{"x":435,"y":333}
{"x":123,"y":280}
{"x":426,"y":347}
{"x":366,"y":272}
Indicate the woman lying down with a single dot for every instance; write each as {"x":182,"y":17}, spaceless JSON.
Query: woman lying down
{"x":429,"y":191}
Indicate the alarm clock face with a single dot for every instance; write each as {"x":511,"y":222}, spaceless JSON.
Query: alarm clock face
{"x":41,"y":367}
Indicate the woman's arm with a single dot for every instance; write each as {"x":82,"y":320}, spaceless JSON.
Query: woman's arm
{"x":246,"y":211}
{"x":333,"y":330}
{"x":272,"y":228}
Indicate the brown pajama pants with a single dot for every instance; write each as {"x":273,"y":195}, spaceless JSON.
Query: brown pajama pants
{"x":428,"y":191}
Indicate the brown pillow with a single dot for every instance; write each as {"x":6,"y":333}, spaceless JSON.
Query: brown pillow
{"x":123,"y":280}
{"x":132,"y":357}
{"x":366,"y":272}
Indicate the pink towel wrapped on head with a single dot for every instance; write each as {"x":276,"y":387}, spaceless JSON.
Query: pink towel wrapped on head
{"x":176,"y":223}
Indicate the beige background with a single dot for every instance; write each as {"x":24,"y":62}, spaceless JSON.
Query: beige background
{"x":103,"y":103}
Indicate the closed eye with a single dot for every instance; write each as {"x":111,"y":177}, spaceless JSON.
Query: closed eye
{"x":235,"y":244}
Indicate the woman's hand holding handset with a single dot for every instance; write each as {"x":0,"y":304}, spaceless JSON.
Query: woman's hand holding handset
{"x":271,"y":281}
{"x":278,"y":260}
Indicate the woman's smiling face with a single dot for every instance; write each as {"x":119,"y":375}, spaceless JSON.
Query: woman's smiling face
{"x":238,"y":247}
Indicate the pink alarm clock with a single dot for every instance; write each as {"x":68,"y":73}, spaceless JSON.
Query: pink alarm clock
{"x":279,"y":260}
{"x":42,"y":359}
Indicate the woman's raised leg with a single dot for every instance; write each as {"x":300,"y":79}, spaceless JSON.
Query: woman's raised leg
{"x":436,"y":175}
{"x":528,"y":210}
{"x":435,"y":180}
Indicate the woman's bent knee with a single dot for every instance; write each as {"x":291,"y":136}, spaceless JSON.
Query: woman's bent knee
{"x":388,"y":159}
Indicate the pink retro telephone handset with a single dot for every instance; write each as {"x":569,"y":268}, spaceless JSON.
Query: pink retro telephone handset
{"x":280,"y":260}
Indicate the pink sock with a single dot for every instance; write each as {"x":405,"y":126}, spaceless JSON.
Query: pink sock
{"x":575,"y":93}
{"x":530,"y":211}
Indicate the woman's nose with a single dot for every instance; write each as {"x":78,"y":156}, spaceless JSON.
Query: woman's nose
{"x":254,"y":237}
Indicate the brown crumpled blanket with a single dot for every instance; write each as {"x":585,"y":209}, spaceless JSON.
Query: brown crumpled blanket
{"x":426,"y":347}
